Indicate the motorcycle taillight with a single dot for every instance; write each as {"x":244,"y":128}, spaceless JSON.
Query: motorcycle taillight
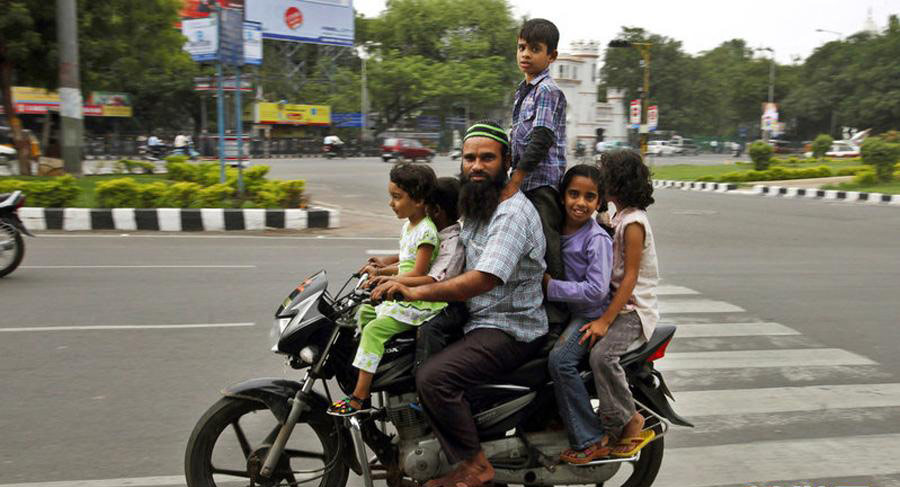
{"x":659,"y":352}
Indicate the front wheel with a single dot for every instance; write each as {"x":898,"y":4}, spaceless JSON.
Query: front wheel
{"x":12,"y":248}
{"x":230,"y":443}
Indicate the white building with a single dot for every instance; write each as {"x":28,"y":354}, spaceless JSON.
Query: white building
{"x":577,"y":73}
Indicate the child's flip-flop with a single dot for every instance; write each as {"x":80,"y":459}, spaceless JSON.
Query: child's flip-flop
{"x":344,"y":408}
{"x":634,"y":444}
{"x":587,"y":455}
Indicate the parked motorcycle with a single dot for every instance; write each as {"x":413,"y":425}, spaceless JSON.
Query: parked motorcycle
{"x":516,"y":419}
{"x":12,"y":246}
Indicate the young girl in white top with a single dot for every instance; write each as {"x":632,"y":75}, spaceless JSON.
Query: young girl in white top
{"x":633,"y":312}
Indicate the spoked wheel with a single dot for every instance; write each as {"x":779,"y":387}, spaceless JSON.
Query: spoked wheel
{"x":12,"y":248}
{"x":231,"y":441}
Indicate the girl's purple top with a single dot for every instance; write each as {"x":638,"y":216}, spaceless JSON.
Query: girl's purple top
{"x":587,"y":256}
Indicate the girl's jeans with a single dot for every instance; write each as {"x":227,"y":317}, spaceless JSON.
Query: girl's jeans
{"x":584,"y":427}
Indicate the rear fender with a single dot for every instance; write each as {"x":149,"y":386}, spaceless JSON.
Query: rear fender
{"x":14,"y":220}
{"x":276,"y":394}
{"x":653,"y":391}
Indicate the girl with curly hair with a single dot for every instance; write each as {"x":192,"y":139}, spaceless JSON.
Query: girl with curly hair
{"x":633,"y":312}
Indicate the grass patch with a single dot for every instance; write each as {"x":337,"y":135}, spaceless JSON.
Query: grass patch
{"x":87,"y":184}
{"x":892,"y":187}
{"x":692,"y":172}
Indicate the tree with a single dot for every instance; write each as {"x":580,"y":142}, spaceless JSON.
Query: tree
{"x":27,"y":54}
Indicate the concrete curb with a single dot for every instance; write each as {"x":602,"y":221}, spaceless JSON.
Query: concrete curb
{"x":784,"y":191}
{"x":176,"y":219}
{"x":695,"y":185}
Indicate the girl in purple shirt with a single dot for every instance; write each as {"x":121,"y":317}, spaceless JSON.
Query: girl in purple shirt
{"x":587,"y":258}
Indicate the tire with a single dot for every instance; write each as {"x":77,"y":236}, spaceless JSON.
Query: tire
{"x":647,"y":465}
{"x":10,"y":258}
{"x":226,"y":412}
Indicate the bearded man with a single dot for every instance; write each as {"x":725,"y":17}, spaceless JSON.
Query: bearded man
{"x":501,"y":286}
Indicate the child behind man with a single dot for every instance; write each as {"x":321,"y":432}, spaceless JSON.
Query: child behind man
{"x":539,"y":139}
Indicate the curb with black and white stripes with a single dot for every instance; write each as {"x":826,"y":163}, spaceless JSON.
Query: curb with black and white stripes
{"x":177,"y":219}
{"x":785,"y":192}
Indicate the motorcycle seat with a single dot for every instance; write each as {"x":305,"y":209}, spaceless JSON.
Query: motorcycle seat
{"x":532,"y":375}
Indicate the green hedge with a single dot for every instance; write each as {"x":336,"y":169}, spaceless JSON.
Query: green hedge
{"x":57,"y":193}
{"x":851,"y":170}
{"x":776,"y":173}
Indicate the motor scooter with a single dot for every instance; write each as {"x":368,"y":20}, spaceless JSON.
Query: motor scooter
{"x":12,"y":245}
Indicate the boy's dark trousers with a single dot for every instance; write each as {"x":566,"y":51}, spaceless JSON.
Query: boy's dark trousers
{"x":435,"y":334}
{"x":548,"y":205}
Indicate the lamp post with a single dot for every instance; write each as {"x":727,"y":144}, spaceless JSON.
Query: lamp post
{"x":644,"y":49}
{"x":363,"y":52}
{"x":767,"y":134}
{"x":838,"y":34}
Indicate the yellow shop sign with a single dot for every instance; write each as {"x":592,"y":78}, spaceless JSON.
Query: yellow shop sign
{"x":277,"y":113}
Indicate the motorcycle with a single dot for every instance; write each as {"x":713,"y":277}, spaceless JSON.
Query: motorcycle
{"x":333,"y":150}
{"x":153,"y":152}
{"x":517,"y":421}
{"x":12,"y":245}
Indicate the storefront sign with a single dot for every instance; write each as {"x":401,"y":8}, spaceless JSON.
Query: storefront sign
{"x":278,"y":113}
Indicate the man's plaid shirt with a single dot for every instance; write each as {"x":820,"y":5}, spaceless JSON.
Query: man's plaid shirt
{"x":511,"y":247}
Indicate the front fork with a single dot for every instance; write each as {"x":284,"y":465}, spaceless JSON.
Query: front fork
{"x":298,"y":407}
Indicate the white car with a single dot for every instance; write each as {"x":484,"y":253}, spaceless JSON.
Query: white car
{"x":661,"y":148}
{"x":839,"y":149}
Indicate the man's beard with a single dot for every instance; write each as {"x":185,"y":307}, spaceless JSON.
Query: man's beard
{"x":479,"y":199}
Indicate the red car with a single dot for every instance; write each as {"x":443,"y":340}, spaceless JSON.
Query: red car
{"x":411,"y":149}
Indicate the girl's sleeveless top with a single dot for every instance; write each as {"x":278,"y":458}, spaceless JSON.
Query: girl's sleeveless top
{"x":643,"y":298}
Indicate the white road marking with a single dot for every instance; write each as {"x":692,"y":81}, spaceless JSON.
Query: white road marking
{"x":382,"y":252}
{"x":138,"y":267}
{"x":740,"y":359}
{"x":768,"y":462}
{"x":699,"y":330}
{"x":784,"y":399}
{"x":678,"y":306}
{"x":124,"y":327}
{"x":664,"y":290}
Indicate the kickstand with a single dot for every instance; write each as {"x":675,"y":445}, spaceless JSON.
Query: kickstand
{"x":545,"y":461}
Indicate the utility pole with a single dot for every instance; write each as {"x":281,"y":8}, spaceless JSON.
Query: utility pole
{"x":70,"y":107}
{"x":767,"y":134}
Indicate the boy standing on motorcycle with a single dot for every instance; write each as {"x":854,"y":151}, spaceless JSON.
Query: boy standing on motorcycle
{"x":501,"y":285}
{"x":539,"y":140}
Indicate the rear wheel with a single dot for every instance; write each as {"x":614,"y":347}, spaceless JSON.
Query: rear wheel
{"x":12,"y":248}
{"x":230,"y":443}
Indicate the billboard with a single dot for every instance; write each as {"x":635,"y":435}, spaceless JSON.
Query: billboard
{"x":202,"y":38}
{"x":38,"y":101}
{"x":253,"y":43}
{"x":312,"y":21}
{"x":278,"y":113}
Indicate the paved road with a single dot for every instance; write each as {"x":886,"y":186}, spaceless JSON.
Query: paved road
{"x":786,"y":358}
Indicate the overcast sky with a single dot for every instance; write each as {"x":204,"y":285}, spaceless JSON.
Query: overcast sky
{"x":787,"y":26}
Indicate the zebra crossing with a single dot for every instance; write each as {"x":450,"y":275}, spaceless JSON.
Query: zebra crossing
{"x":772,"y":407}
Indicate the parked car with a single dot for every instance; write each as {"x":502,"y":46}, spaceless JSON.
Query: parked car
{"x":685,"y":147}
{"x":396,"y":148}
{"x":660,"y":148}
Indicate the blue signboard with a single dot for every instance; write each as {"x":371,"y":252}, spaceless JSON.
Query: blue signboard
{"x":253,"y":43}
{"x":231,"y":37}
{"x":347,"y":119}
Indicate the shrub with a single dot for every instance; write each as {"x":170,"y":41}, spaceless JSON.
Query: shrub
{"x":821,"y":145}
{"x":176,"y":159}
{"x":58,"y":192}
{"x":126,"y":165}
{"x":865,"y":178}
{"x":760,"y":154}
{"x":179,"y":171}
{"x":179,"y":195}
{"x":293,"y":193}
{"x":117,"y":193}
{"x":215,"y":196}
{"x":150,"y":194}
{"x":883,"y":155}
{"x":851,"y":170}
{"x":774,"y":174}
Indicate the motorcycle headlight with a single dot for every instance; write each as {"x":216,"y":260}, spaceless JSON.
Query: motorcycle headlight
{"x":309,"y":354}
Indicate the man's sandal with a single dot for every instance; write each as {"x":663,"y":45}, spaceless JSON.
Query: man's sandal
{"x":344,"y":408}
{"x":634,"y":444}
{"x":587,"y":455}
